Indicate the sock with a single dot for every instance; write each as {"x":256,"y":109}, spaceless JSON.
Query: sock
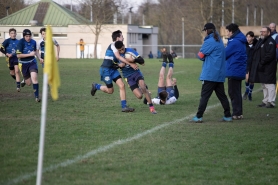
{"x":164,"y":64}
{"x":171,"y":65}
{"x":247,"y":87}
{"x":18,"y":84}
{"x":251,"y":86}
{"x":36,"y":90}
{"x":13,"y":76}
{"x":97,"y":86}
{"x":123,"y":103}
{"x":150,"y":105}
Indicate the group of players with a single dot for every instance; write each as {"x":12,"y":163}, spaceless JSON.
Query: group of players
{"x":118,"y":56}
{"x":20,"y":57}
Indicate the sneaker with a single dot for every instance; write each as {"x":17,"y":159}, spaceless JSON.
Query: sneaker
{"x":22,"y":83}
{"x":197,"y":120}
{"x":262,"y":105}
{"x":245,"y":96}
{"x":227,"y":119}
{"x":237,"y":117}
{"x":18,"y":89}
{"x":269,"y":105}
{"x":38,"y":100}
{"x":94,"y":89}
{"x":128,"y":109}
{"x":152,"y":110}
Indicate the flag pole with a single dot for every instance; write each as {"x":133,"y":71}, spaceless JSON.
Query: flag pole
{"x":42,"y":132}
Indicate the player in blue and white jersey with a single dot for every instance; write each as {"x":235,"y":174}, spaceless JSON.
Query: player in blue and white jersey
{"x":26,"y":51}
{"x":134,"y":78}
{"x":41,"y":46}
{"x":109,"y":74}
{"x":8,"y":48}
{"x":167,"y":92}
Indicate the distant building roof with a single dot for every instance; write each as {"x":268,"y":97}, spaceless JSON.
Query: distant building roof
{"x":45,"y":12}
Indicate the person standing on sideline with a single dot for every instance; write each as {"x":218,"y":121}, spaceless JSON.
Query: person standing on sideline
{"x":8,"y":48}
{"x":81,"y":44}
{"x":264,"y":67}
{"x":274,"y":35}
{"x":26,"y":51}
{"x":41,"y":46}
{"x":236,"y":59}
{"x":212,"y":53}
{"x":109,"y":73}
{"x":250,"y":45}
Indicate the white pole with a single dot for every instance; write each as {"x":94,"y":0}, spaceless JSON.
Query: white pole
{"x":222,"y":13}
{"x":247,"y":15}
{"x":42,"y":132}
{"x":91,"y":13}
{"x":262,"y":16}
{"x":211,"y":6}
{"x":233,"y":13}
{"x":255,"y":11}
{"x":182,"y":37}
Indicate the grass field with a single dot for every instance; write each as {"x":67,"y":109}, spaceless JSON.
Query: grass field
{"x":90,"y":141}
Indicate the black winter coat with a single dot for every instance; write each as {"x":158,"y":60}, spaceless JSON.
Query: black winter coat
{"x":249,"y":52}
{"x":264,"y":64}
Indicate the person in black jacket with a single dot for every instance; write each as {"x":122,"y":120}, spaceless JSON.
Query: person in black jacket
{"x":264,"y":67}
{"x":250,"y":45}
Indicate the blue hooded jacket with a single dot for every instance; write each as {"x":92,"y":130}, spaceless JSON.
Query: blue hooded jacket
{"x":236,"y":58}
{"x":214,"y":60}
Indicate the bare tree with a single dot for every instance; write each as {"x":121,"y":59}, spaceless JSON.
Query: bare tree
{"x":10,"y":6}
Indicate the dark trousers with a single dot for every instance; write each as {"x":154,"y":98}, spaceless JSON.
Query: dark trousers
{"x":234,"y":90}
{"x":207,"y":88}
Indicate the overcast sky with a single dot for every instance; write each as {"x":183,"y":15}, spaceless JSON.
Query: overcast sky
{"x":133,"y":3}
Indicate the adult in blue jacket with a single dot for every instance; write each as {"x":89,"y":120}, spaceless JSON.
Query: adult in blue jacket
{"x":236,"y":61}
{"x":213,"y":74}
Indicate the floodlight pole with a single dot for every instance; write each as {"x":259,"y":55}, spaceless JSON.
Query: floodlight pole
{"x":182,"y":37}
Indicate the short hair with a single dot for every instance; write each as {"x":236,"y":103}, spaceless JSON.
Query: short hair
{"x":268,"y":29}
{"x":163,"y":95}
{"x":42,"y":29}
{"x":250,"y":33}
{"x":12,"y":29}
{"x":116,"y":34}
{"x":119,"y":44}
{"x":232,"y":27}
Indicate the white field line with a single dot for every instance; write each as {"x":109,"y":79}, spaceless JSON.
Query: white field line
{"x":178,"y":72}
{"x":107,"y":147}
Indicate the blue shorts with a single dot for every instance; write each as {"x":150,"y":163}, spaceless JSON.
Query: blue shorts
{"x":29,"y":67}
{"x":134,"y":79}
{"x":13,"y":61}
{"x":108,"y":74}
{"x":170,"y":90}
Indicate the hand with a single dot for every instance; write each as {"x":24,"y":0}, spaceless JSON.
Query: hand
{"x":134,"y":66}
{"x":9,"y":55}
{"x":41,"y":60}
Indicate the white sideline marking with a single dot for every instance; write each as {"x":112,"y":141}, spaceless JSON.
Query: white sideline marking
{"x":178,"y":72}
{"x":102,"y":149}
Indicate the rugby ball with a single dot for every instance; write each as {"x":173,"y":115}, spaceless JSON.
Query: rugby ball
{"x":129,"y":55}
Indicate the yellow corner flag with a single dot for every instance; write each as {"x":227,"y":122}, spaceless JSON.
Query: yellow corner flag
{"x":51,"y":65}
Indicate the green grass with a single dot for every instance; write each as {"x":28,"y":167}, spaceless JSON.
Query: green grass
{"x":181,"y":152}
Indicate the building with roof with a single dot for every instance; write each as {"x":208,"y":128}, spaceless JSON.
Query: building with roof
{"x":69,"y":27}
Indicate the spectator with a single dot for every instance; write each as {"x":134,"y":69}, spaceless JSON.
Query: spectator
{"x":236,"y":59}
{"x":173,"y":53}
{"x":81,"y":46}
{"x":250,"y":45}
{"x":150,"y":54}
{"x":212,"y":53}
{"x":264,"y":67}
{"x":274,"y":35}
